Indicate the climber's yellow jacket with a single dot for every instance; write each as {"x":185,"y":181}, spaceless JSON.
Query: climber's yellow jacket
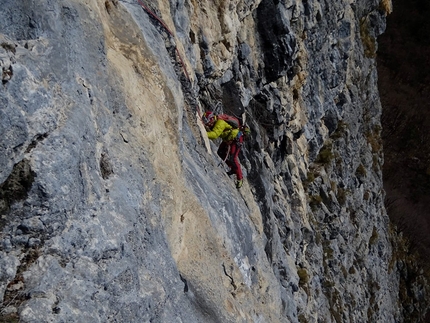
{"x":223,"y":130}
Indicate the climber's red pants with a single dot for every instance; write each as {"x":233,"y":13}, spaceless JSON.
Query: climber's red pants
{"x":232,"y":160}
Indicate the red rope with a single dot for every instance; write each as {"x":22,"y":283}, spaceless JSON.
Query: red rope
{"x":168,"y":30}
{"x":176,"y":48}
{"x":182,"y":63}
{"x":155,"y":16}
{"x":226,"y":156}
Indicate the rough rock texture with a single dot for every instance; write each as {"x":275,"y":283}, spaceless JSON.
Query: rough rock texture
{"x":114,"y":209}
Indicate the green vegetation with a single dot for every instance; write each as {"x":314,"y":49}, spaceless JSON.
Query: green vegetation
{"x":386,"y":6}
{"x":335,"y":299}
{"x":15,"y":188}
{"x":341,"y":196}
{"x":373,"y":287}
{"x":340,"y":130}
{"x":369,"y":42}
{"x":10,"y":318}
{"x":344,"y":272}
{"x":415,"y":271}
{"x":360,"y":171}
{"x":325,"y":155}
{"x":328,"y":284}
{"x":336,"y":313}
{"x":303,"y":277}
{"x":310,"y":177}
{"x":366,"y":195}
{"x":374,"y":237}
{"x":315,"y":201}
{"x":374,"y":139}
{"x":8,"y":47}
{"x":302,"y":319}
{"x":328,"y":251}
{"x":15,"y":297}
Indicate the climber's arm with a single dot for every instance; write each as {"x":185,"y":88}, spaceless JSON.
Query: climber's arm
{"x":217,"y":130}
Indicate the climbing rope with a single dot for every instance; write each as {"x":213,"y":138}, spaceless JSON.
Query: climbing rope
{"x":144,"y":7}
{"x":226,"y":156}
{"x":162,"y":23}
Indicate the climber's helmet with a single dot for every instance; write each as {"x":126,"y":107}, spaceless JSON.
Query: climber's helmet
{"x":209,"y":118}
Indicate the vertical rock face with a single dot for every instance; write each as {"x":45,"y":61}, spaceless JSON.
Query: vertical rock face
{"x":114,"y":209}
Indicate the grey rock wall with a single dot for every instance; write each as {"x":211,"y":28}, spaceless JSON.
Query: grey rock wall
{"x":114,"y":206}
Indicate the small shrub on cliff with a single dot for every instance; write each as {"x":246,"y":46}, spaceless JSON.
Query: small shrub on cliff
{"x":366,"y":195}
{"x":414,"y":271}
{"x":369,"y":41}
{"x":361,"y":171}
{"x":341,"y":196}
{"x":8,"y":47}
{"x":303,"y":277}
{"x":374,"y":139}
{"x":328,"y":284}
{"x":10,"y":318}
{"x":310,"y":178}
{"x":14,"y":295}
{"x":340,"y":130}
{"x":386,"y":6}
{"x":302,"y":319}
{"x":315,"y":201}
{"x":325,"y":155}
{"x":374,"y":236}
{"x":328,"y":250}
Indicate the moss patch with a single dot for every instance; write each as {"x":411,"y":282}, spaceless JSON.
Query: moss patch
{"x":369,"y":42}
{"x":16,"y":187}
{"x":303,"y":276}
{"x":8,"y":47}
{"x":373,"y":237}
{"x":325,"y":155}
{"x":315,"y":201}
{"x":14,"y":295}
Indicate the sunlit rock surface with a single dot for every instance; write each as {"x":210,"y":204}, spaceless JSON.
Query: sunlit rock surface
{"x":114,"y":206}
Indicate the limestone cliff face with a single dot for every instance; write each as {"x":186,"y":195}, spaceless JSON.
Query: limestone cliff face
{"x":114,"y":206}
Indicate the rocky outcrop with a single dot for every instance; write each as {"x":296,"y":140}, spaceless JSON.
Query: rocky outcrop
{"x":114,"y":206}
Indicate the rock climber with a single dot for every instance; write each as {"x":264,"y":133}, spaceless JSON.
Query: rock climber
{"x":231,"y":144}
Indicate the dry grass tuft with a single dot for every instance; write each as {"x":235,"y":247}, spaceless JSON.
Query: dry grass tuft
{"x":386,"y":6}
